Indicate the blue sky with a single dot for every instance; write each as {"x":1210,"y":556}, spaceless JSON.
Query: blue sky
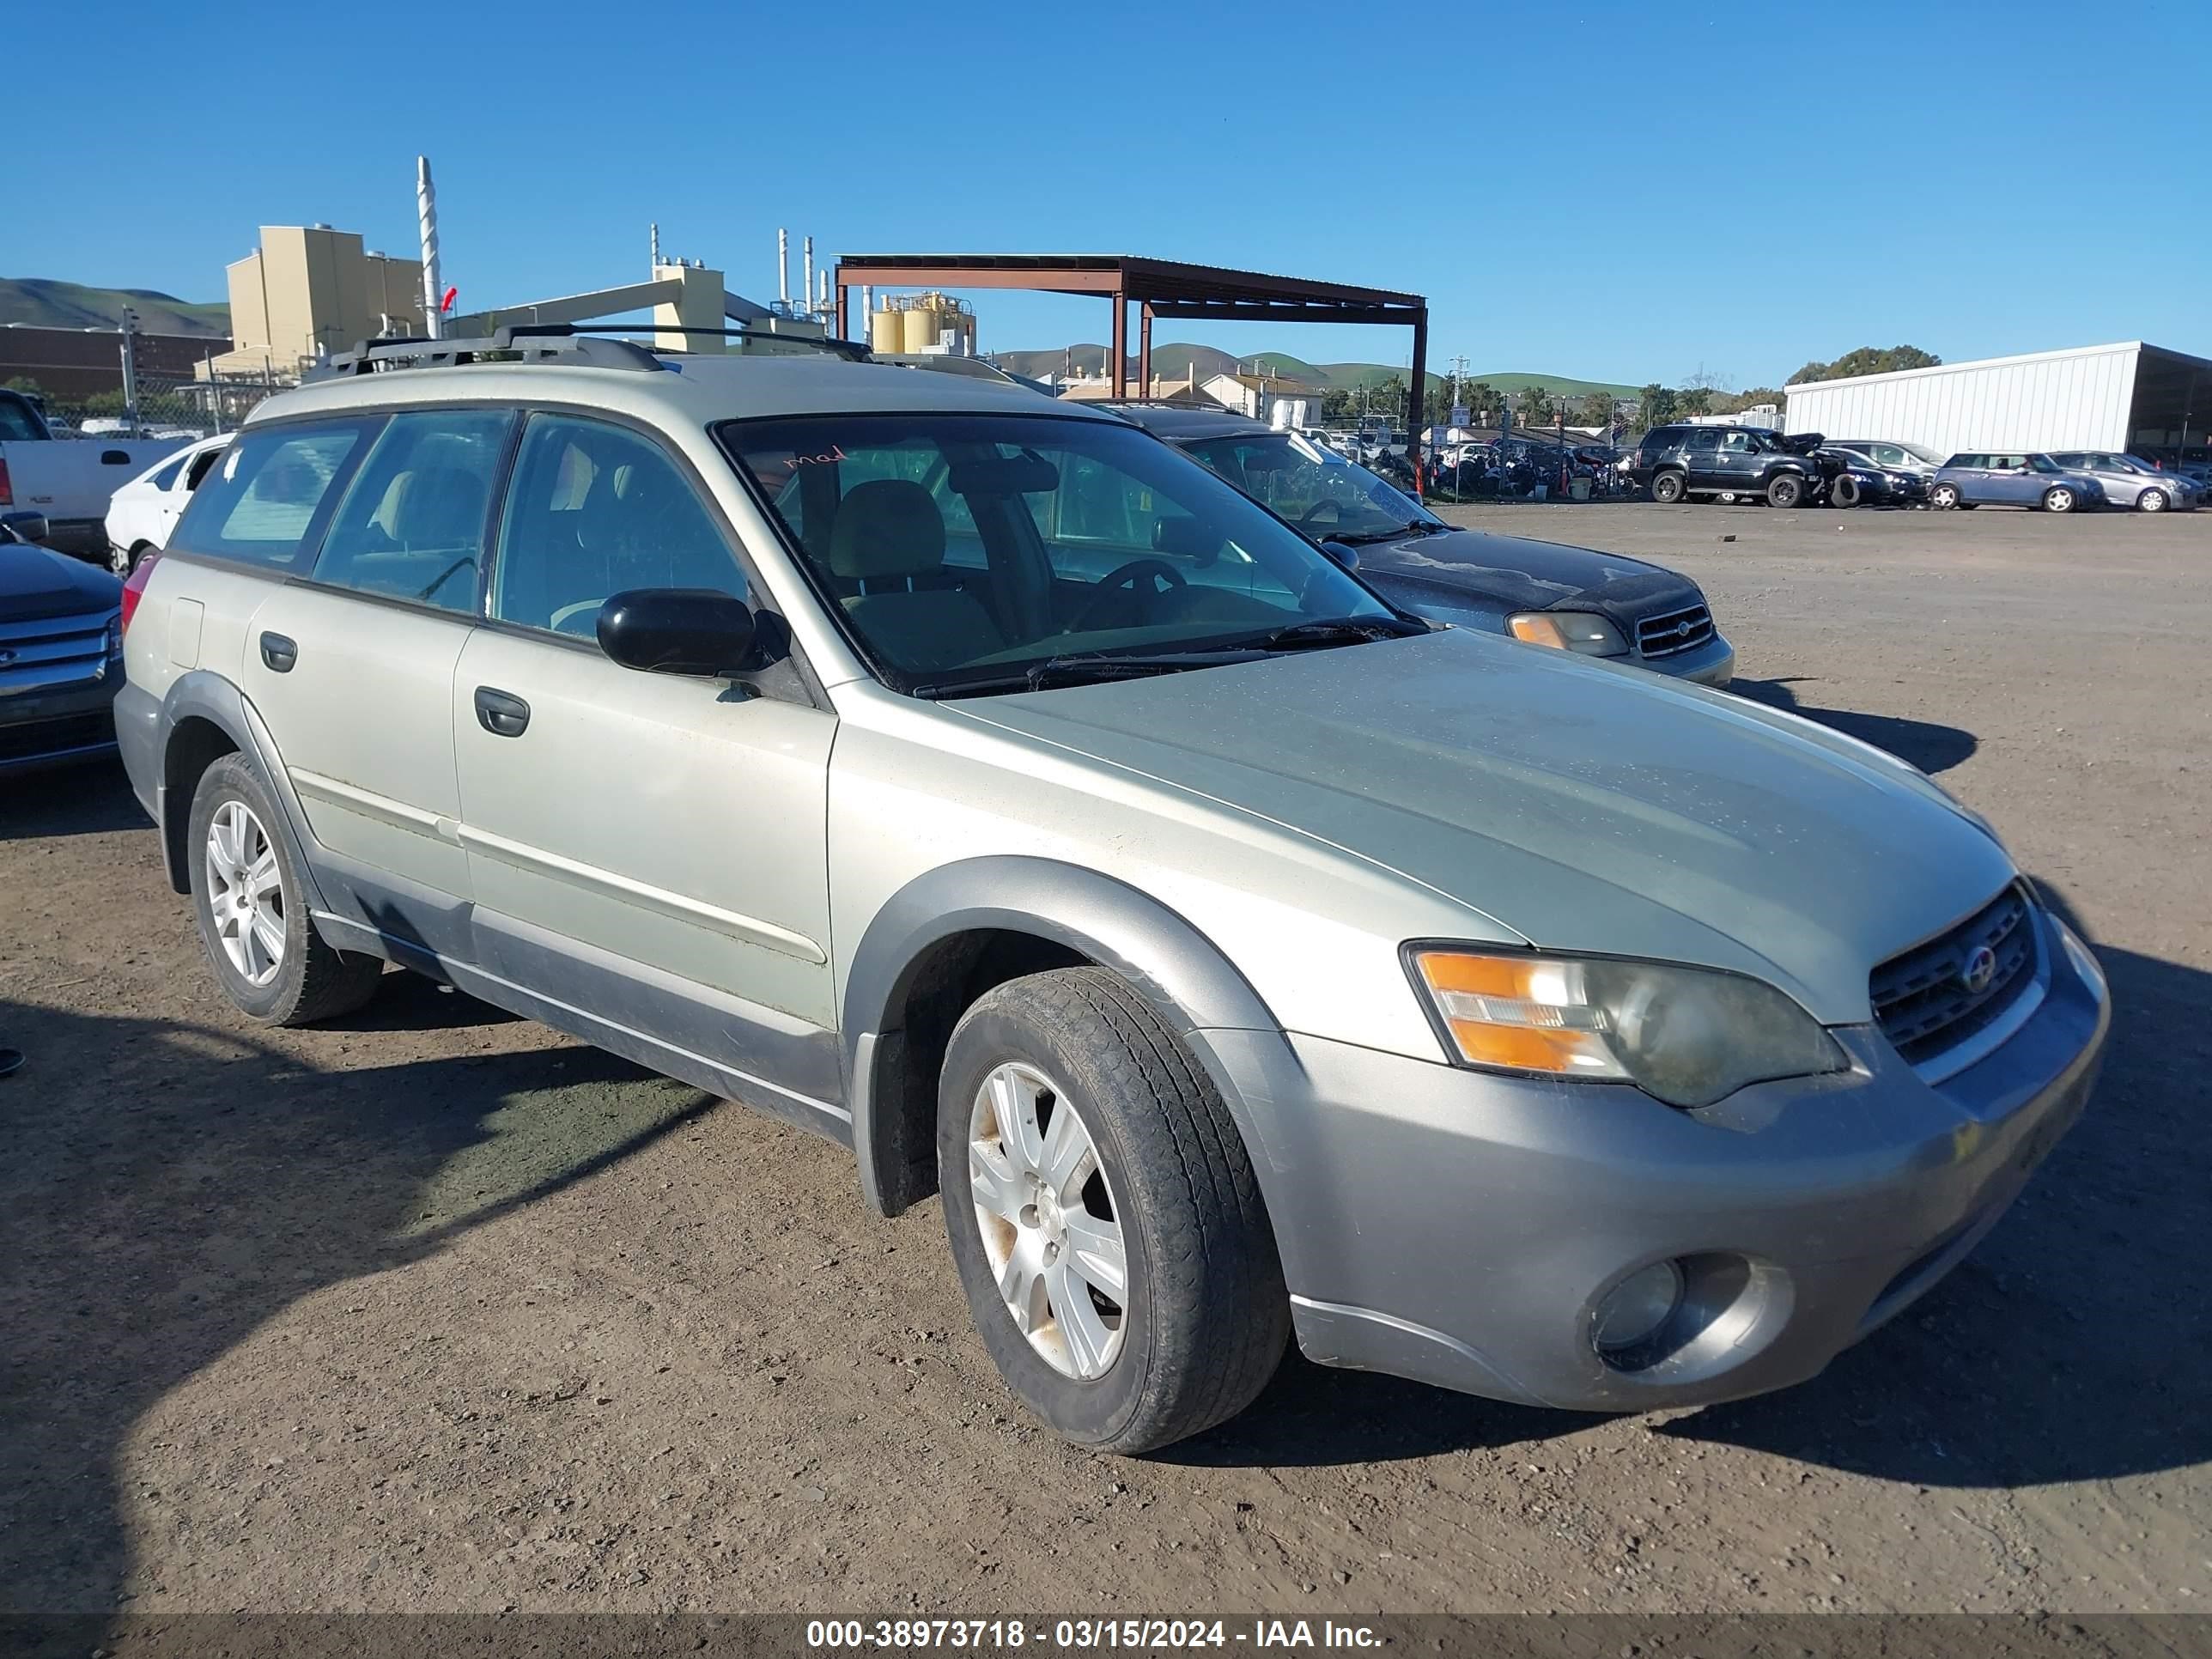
{"x":1626,"y":192}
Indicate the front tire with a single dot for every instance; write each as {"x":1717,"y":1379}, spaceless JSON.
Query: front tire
{"x":1104,"y":1216}
{"x":2058,"y":499}
{"x":2152,"y":500}
{"x":251,"y":904}
{"x":1943,"y":497}
{"x":1786,"y":491}
{"x":1668,"y":487}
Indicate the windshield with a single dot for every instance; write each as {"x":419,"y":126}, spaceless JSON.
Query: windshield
{"x":970,"y":547}
{"x":1318,"y":490}
{"x":1922,"y":452}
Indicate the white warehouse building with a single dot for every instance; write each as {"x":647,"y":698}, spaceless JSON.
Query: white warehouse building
{"x":2129,"y":396}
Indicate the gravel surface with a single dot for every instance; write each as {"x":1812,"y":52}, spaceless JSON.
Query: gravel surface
{"x":435,"y":1310}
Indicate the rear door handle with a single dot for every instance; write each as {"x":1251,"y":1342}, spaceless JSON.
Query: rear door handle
{"x":279,"y":653}
{"x":501,"y":712}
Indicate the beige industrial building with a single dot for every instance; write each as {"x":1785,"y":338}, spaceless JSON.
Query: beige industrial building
{"x":309,"y":291}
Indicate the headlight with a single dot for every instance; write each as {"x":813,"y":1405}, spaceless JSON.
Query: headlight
{"x":1569,"y":630}
{"x":1688,"y":1036}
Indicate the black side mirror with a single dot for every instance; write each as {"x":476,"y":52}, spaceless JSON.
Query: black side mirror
{"x":1343,"y":552}
{"x":679,"y":630}
{"x":29,"y":528}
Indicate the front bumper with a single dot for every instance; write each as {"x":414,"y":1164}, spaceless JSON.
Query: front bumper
{"x":1459,"y":1228}
{"x":53,"y":728}
{"x":1711,"y":664}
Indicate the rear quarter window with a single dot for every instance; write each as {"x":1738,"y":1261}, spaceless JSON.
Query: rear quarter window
{"x":269,"y":497}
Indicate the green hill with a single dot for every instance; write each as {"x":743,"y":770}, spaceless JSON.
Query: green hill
{"x":1174,"y":361}
{"x":41,"y":302}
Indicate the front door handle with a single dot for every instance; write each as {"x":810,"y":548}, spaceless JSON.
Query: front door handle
{"x":279,"y":653}
{"x":501,"y":712}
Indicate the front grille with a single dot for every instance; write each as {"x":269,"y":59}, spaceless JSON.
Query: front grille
{"x":1674,"y":633}
{"x":32,"y":738}
{"x":51,"y":655}
{"x":1922,"y":999}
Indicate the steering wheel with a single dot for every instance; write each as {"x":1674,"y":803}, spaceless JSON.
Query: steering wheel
{"x":1124,"y":579}
{"x":1312,"y":514}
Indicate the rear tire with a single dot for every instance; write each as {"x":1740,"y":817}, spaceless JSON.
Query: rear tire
{"x":1198,"y":1322}
{"x":251,"y":904}
{"x":2152,"y":500}
{"x":1785,"y":490}
{"x":122,"y":561}
{"x":1943,"y":497}
{"x":1844,"y":492}
{"x":1668,"y":487}
{"x":2058,"y":499}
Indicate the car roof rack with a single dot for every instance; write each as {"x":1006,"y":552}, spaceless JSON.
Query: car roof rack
{"x":538,"y":342}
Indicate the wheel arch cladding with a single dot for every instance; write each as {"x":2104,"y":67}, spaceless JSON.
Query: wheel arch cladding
{"x":203,"y":717}
{"x":953,"y":932}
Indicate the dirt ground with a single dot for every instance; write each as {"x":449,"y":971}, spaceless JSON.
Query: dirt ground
{"x":437,"y":1310}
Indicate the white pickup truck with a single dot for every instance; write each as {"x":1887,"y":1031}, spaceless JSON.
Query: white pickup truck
{"x":67,"y":479}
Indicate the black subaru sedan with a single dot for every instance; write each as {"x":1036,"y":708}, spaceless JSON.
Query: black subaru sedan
{"x":1601,"y":604}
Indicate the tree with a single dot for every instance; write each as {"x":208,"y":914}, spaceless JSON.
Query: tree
{"x":1337,"y":406}
{"x":1867,"y":360}
{"x":1695,"y":400}
{"x":1483,"y":401}
{"x":1597,"y":409}
{"x":1536,"y":408}
{"x":1736,"y":401}
{"x":1655,"y":405}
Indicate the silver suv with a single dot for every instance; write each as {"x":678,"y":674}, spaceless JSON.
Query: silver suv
{"x":984,"y":784}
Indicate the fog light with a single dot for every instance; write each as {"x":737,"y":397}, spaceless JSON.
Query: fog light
{"x":1633,"y":1311}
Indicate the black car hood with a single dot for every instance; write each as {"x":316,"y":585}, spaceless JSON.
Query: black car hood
{"x":35,"y":583}
{"x":1514,"y":572}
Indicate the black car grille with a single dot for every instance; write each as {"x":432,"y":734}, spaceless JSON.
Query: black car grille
{"x":1676,"y":632}
{"x":51,"y":653}
{"x":1922,"y":997}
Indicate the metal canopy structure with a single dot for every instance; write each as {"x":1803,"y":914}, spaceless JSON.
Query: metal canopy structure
{"x":1160,"y":287}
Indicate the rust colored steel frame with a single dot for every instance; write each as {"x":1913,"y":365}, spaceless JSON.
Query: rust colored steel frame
{"x":1161,"y":288}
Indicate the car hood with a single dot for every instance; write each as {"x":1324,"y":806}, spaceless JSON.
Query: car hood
{"x":1583,"y":806}
{"x":36,"y":583}
{"x":1514,"y":572}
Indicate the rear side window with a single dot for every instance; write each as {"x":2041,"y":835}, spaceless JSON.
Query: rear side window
{"x":1704,"y":440}
{"x":274,"y":489}
{"x":412,"y":526}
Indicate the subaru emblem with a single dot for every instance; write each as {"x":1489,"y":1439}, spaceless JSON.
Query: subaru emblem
{"x":1980,"y":969}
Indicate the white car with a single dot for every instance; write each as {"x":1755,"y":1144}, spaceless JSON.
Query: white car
{"x":141,"y":514}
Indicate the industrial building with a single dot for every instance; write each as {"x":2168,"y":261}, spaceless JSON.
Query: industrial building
{"x":308,"y":291}
{"x":2130,"y":396}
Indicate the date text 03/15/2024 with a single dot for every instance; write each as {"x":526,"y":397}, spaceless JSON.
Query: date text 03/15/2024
{"x":1087,"y":1634}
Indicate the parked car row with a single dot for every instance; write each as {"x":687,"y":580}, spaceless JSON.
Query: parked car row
{"x":1807,"y":469}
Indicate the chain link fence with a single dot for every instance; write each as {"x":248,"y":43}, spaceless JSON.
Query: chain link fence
{"x":166,"y":404}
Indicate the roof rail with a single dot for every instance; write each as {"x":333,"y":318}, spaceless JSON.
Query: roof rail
{"x":855,"y":350}
{"x":529,"y":343}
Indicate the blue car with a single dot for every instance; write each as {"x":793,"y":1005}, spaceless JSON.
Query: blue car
{"x":2012,"y":478}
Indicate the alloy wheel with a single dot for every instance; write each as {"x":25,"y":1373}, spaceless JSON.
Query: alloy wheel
{"x":1050,"y":1226}
{"x":246,"y":892}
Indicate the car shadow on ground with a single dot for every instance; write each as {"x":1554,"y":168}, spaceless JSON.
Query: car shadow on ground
{"x":1930,"y":747}
{"x":169,"y":1186}
{"x":90,"y":798}
{"x":2072,"y":1345}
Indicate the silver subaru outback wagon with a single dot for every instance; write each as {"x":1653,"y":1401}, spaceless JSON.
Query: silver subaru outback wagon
{"x":985,"y":785}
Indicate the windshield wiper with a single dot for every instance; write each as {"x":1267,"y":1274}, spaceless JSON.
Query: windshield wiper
{"x":1363,"y":538}
{"x":1339,"y":630}
{"x":1089,"y":669}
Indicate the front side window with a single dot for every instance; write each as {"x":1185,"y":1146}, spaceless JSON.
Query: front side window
{"x":1738,"y":443}
{"x":1087,"y":536}
{"x":274,"y":488}
{"x":1703,"y":442}
{"x":412,"y":524}
{"x":595,"y":510}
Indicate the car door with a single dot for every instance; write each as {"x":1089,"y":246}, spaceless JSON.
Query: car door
{"x":649,"y":849}
{"x":1701,"y":460}
{"x":1738,"y":462}
{"x":352,"y":668}
{"x":2011,"y":482}
{"x":169,"y":505}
